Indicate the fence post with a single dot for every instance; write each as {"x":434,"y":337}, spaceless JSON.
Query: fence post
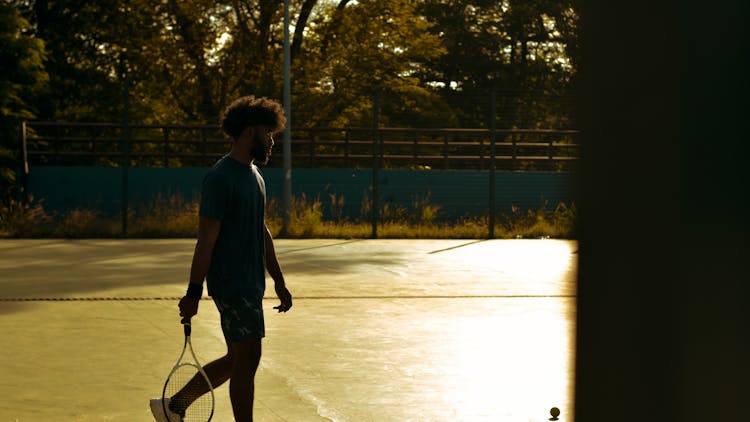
{"x":204,"y":145}
{"x":481,"y":154}
{"x":57,"y":144}
{"x":311,"y":157}
{"x":493,"y":117}
{"x":416,"y":147}
{"x":375,"y":163}
{"x":347,"y":148}
{"x":165,"y":133}
{"x":125,"y":159}
{"x":445,"y":152}
{"x":287,"y":100}
{"x":24,"y":170}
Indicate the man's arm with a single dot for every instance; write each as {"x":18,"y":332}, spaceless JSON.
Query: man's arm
{"x":208,"y":232}
{"x":274,"y":270}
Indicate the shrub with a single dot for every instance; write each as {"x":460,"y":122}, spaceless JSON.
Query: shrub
{"x":19,"y":219}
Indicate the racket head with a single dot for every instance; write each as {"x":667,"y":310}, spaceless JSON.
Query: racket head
{"x":202,"y":408}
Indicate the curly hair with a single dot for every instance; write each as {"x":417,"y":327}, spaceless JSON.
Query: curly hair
{"x":250,"y":111}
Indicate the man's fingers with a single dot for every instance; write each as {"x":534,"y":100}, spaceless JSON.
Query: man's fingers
{"x":282,"y":307}
{"x":187,"y":309}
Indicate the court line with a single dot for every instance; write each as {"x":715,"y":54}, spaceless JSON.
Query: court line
{"x":317,"y":247}
{"x":176,"y":298}
{"x":87,"y":299}
{"x":457,"y":246}
{"x":433,"y":297}
{"x":35,"y":245}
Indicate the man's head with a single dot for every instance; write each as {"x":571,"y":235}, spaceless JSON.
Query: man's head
{"x":252,"y":122}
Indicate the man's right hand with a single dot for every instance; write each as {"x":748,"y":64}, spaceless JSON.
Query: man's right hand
{"x":188,"y":308}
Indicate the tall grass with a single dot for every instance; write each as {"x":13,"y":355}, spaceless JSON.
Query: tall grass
{"x":18,"y":219}
{"x":173,"y":216}
{"x":170,"y":216}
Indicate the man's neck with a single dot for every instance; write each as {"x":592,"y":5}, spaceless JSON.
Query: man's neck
{"x":241,"y":157}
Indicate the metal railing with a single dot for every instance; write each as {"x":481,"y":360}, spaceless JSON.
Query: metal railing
{"x":107,"y":144}
{"x":125,"y":146}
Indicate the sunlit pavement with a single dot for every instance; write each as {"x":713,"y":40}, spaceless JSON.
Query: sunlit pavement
{"x":381,"y":330}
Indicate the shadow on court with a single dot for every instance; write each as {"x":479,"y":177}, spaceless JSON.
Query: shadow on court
{"x":381,"y":330}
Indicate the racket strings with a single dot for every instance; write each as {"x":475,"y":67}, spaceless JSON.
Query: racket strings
{"x":187,"y":388}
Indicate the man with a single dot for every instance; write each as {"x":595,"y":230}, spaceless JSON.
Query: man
{"x":233,"y":251}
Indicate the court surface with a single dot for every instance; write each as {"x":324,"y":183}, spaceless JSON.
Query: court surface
{"x":381,"y":330}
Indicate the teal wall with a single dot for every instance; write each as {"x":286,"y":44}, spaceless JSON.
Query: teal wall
{"x":458,"y":192}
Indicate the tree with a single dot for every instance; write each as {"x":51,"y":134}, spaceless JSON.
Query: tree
{"x":21,"y":74}
{"x":434,"y":61}
{"x":183,"y":61}
{"x":519,"y":48}
{"x":366,"y":46}
{"x":93,"y":47}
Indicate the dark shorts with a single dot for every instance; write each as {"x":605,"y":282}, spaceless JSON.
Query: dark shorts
{"x":241,"y":318}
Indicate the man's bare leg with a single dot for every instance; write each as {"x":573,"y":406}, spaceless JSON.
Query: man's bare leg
{"x":242,"y":384}
{"x":218,"y":373}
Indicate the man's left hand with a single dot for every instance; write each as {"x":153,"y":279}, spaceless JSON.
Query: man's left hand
{"x":284,"y":296}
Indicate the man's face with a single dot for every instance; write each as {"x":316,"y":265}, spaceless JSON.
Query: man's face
{"x":262,"y":143}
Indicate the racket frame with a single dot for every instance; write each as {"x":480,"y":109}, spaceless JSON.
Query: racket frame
{"x":188,"y":345}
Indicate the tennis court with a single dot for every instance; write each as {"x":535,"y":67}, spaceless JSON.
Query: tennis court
{"x":381,"y":330}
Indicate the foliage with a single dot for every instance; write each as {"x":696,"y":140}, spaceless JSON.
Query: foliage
{"x":86,"y":223}
{"x":18,"y":219}
{"x":371,"y":45}
{"x":170,"y":216}
{"x":173,"y":216}
{"x":21,"y":75}
{"x":96,"y":52}
{"x":559,"y":222}
{"x":184,"y":61}
{"x":522,"y":50}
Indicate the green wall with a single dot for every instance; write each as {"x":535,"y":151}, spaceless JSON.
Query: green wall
{"x":458,"y":192}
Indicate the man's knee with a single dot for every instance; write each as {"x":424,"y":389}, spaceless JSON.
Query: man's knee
{"x":246,"y":354}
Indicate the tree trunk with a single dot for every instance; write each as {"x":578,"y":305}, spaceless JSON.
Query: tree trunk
{"x":299,"y":28}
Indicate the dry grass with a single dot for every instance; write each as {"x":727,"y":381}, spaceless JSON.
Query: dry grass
{"x":174,"y":217}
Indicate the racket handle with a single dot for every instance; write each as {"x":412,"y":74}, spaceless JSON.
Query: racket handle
{"x":186,"y":327}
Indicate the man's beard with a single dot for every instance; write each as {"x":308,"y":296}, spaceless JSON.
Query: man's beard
{"x":259,"y":152}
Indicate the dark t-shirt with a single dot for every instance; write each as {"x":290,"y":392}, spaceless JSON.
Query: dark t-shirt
{"x":235,"y":194}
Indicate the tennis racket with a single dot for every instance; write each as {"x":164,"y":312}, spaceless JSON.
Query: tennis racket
{"x":188,"y":395}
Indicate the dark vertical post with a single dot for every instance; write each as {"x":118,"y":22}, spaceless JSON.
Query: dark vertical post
{"x":165,"y":132}
{"x":58,"y":161}
{"x":204,"y":145}
{"x":481,"y":154}
{"x":375,"y":162}
{"x":287,"y":175}
{"x":416,"y":147}
{"x":311,"y":156}
{"x":125,"y":158}
{"x":662,"y":305}
{"x":24,"y":176}
{"x":94,"y":135}
{"x":493,"y":139}
{"x":347,"y":148}
{"x":445,"y":152}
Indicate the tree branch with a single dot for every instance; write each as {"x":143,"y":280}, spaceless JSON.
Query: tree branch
{"x":299,"y":28}
{"x":194,"y":50}
{"x":241,"y":20}
{"x":267,"y":10}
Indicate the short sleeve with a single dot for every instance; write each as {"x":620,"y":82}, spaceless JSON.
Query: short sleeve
{"x":214,"y":196}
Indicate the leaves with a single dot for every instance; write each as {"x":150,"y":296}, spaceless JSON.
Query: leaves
{"x":21,"y":74}
{"x":183,"y":62}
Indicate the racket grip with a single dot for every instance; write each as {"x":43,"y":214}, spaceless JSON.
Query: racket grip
{"x":186,"y":327}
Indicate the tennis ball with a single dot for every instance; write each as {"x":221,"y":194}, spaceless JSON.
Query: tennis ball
{"x":555,"y":412}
